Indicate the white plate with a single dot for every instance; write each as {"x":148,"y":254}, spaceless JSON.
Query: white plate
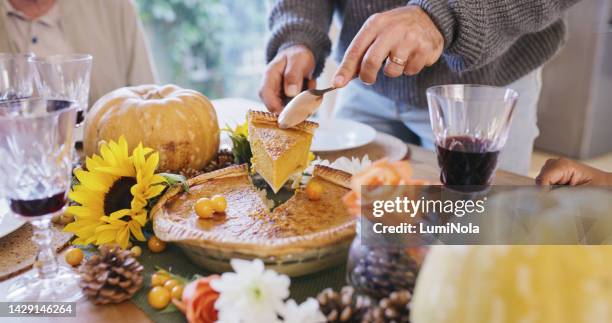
{"x":8,"y":222}
{"x":341,"y":134}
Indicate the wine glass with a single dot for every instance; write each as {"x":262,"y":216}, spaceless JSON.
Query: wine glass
{"x":66,"y":77}
{"x":15,"y":76}
{"x":36,"y":145}
{"x":470,"y":124}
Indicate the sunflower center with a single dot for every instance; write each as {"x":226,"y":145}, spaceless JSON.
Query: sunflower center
{"x":119,"y":196}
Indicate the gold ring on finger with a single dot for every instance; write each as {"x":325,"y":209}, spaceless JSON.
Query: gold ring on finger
{"x":397,"y":60}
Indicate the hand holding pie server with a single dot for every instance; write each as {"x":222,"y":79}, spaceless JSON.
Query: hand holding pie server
{"x":405,"y":40}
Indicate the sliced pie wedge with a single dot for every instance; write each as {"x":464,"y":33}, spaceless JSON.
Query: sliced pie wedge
{"x":278,"y":153}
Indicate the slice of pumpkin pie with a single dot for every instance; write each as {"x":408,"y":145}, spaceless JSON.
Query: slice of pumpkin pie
{"x":278,"y":153}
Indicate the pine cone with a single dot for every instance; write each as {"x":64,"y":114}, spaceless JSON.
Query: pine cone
{"x":113,"y":276}
{"x":224,"y":158}
{"x":343,"y":306}
{"x":392,"y":309}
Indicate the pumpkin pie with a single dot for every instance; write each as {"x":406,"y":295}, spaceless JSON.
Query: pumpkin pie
{"x":278,"y":154}
{"x":249,"y":229}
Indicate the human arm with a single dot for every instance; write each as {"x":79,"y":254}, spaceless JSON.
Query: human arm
{"x":568,"y":172}
{"x":297,"y":48}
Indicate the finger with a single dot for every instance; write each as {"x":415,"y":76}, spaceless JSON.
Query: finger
{"x":355,"y":52}
{"x":311,"y":84}
{"x":553,"y":173}
{"x":395,"y":68}
{"x":373,"y":59}
{"x":296,"y":71}
{"x":270,"y":91}
{"x":415,"y":64}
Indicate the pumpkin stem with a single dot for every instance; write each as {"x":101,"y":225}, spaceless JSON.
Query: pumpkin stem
{"x":153,"y":95}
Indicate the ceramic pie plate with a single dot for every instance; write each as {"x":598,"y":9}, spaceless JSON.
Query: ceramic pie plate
{"x":292,"y":255}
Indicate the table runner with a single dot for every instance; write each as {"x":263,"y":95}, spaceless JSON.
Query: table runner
{"x":176,"y":262}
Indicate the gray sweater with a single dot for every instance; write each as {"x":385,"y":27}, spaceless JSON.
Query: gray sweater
{"x":492,"y":42}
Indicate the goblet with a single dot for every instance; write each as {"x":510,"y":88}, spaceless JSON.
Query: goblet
{"x":15,"y":76}
{"x":36,"y":145}
{"x":65,"y":77}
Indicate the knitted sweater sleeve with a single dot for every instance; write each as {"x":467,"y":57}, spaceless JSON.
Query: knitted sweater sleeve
{"x":294,"y":22}
{"x":477,"y":32}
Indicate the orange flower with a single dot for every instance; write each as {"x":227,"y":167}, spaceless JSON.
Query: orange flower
{"x":198,"y":301}
{"x":380,"y":173}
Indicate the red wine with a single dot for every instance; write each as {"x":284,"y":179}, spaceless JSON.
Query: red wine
{"x":465,"y":161}
{"x":39,"y":207}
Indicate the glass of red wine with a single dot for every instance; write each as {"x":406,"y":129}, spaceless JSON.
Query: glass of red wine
{"x":470,"y":124}
{"x":65,"y":76}
{"x":16,"y":76}
{"x":36,"y":145}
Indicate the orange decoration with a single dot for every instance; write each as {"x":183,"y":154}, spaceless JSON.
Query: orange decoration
{"x":381,"y":172}
{"x":198,"y":301}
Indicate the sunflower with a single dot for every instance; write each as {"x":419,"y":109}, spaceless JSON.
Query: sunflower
{"x":113,"y":194}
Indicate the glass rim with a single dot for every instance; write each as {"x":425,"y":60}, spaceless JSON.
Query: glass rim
{"x":61,"y":58}
{"x":73,"y":106}
{"x":5,"y":55}
{"x":514,"y":95}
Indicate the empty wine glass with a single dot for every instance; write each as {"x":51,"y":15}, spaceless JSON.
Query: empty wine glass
{"x":471,"y":124}
{"x":66,"y":77}
{"x":15,"y":76}
{"x":36,"y":145}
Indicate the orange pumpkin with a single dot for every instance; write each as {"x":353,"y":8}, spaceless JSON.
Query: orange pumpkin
{"x":181,"y":124}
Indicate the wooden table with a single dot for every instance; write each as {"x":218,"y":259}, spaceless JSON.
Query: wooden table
{"x":423,"y":161}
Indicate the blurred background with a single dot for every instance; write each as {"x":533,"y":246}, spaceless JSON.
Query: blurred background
{"x":218,"y":47}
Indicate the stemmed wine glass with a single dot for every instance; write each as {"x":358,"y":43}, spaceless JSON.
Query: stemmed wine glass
{"x":65,"y":77}
{"x":36,"y":145}
{"x":15,"y":76}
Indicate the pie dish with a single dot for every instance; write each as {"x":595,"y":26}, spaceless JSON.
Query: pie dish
{"x":297,"y":237}
{"x":278,"y":154}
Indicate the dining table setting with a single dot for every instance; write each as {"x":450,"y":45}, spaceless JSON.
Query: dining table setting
{"x":157,"y":204}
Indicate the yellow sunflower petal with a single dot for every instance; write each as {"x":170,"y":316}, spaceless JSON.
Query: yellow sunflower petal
{"x":119,"y":214}
{"x":123,"y":237}
{"x":154,"y":191}
{"x":106,"y":236}
{"x":151,"y":164}
{"x":94,"y":181}
{"x":108,"y":155}
{"x":117,"y":171}
{"x":136,"y":230}
{"x":141,"y":218}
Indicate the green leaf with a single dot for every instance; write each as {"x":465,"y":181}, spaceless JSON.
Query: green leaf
{"x":175,"y":180}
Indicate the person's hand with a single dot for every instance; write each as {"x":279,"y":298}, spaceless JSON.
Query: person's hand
{"x":284,"y":76}
{"x":404,"y":39}
{"x":568,"y":172}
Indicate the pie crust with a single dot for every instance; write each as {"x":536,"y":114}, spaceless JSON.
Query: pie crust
{"x":248,"y":228}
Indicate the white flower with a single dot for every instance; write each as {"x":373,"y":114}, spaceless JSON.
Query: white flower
{"x":352,"y":166}
{"x":307,"y":312}
{"x":251,"y":293}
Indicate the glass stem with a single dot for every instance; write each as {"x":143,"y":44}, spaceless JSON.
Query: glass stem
{"x":46,"y":263}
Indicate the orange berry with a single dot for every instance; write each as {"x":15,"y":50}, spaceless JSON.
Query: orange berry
{"x":177,"y":292}
{"x":171,"y":283}
{"x":219,"y":203}
{"x":314,"y":191}
{"x":74,"y":256}
{"x":159,"y":279}
{"x":158,"y":297}
{"x":204,"y":208}
{"x":156,"y":245}
{"x":136,"y":251}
